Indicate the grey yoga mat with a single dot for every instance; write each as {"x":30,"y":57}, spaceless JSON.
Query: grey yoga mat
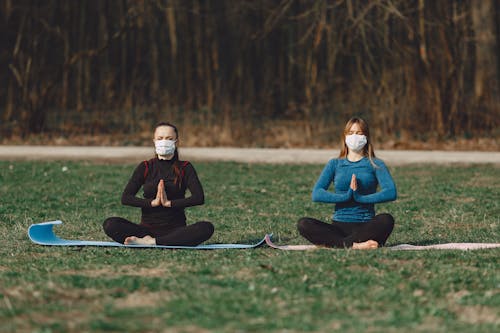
{"x":446,"y":246}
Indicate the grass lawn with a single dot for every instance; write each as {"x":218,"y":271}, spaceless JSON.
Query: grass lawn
{"x":67,"y":289}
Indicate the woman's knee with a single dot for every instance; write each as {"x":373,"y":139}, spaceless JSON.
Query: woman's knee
{"x":108,"y":223}
{"x":386,"y":219}
{"x":303,"y":224}
{"x":385,"y":223}
{"x":206,"y":227}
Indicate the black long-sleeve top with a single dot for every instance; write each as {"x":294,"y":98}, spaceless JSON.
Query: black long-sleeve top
{"x":163,"y":169}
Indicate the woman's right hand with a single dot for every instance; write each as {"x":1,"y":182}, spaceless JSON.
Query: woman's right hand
{"x":161,"y":189}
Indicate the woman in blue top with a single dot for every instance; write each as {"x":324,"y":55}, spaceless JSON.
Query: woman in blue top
{"x":355,"y":174}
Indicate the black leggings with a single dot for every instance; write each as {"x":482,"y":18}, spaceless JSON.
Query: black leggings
{"x":179,"y":235}
{"x":343,"y":234}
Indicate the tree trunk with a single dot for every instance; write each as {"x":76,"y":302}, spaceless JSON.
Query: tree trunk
{"x":486,"y":73}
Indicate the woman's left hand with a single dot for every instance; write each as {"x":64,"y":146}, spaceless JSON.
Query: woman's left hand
{"x":354,"y":183}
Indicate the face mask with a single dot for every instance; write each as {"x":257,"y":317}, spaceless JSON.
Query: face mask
{"x":165,"y":147}
{"x":355,"y":142}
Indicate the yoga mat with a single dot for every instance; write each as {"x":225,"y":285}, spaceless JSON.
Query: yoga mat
{"x":446,"y":246}
{"x":43,"y":234}
{"x":267,"y":238}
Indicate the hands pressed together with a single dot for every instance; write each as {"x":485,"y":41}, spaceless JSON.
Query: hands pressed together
{"x":354,"y":184}
{"x":161,"y":196}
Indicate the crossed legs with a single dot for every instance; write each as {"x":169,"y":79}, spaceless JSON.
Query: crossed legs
{"x":364,"y":235}
{"x":126,"y":232}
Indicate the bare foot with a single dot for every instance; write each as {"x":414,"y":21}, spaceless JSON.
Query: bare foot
{"x":368,"y":245}
{"x":133,"y":240}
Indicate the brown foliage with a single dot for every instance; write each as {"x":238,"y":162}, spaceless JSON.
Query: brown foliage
{"x":414,"y":69}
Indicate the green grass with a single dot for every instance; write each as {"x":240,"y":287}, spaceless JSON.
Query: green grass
{"x":52,"y":289}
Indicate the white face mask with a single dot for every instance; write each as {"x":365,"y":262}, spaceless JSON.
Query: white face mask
{"x":165,"y":147}
{"x":355,"y":142}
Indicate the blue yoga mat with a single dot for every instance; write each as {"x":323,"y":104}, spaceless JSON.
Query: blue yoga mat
{"x":43,"y":234}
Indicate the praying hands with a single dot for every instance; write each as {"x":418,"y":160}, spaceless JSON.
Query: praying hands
{"x":161,"y":196}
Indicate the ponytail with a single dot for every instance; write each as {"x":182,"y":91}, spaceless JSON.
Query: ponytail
{"x":177,"y":169}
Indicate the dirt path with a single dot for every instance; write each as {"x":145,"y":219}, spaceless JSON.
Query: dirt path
{"x":247,"y":155}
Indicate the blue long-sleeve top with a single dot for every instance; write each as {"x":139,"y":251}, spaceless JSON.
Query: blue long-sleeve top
{"x":354,"y":206}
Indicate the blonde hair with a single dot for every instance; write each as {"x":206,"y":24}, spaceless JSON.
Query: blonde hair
{"x":368,"y":150}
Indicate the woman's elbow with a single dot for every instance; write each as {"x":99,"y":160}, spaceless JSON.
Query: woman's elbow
{"x":393,"y":196}
{"x":201,"y":199}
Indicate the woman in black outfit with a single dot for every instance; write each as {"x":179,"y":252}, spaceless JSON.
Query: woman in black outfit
{"x":164,"y":180}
